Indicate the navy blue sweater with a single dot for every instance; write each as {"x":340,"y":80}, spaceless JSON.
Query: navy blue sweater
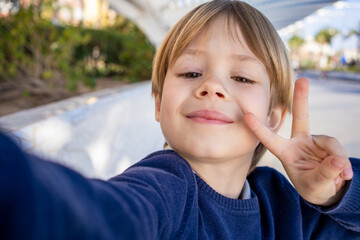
{"x":159,"y":198}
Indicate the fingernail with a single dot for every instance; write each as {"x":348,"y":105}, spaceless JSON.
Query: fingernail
{"x":336,"y":162}
{"x":348,"y":172}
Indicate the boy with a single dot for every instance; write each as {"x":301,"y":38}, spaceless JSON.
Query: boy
{"x":222,"y":83}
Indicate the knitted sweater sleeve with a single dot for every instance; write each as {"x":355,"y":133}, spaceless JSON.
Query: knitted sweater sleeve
{"x":286,"y":215}
{"x":44,"y":200}
{"x":347,"y":211}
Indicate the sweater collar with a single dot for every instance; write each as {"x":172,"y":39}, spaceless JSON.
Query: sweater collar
{"x":245,"y":192}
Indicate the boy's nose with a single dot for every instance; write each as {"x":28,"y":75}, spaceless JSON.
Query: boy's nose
{"x":204,"y":93}
{"x":211,"y":88}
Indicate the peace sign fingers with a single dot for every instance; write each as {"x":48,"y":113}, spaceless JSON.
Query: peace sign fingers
{"x":317,"y":165}
{"x":300,"y":123}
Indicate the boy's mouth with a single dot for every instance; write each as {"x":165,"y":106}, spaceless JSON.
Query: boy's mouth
{"x":209,"y":116}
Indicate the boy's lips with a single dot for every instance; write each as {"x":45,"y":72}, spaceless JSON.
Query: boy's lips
{"x":209,"y":116}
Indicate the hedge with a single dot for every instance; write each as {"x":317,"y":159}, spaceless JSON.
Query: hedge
{"x":39,"y":57}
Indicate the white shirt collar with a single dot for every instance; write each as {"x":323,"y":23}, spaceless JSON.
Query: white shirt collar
{"x":246,"y":191}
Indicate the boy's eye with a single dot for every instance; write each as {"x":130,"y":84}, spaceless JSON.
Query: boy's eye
{"x":243,"y":80}
{"x":191,"y":75}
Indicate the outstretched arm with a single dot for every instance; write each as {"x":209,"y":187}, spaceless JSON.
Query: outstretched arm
{"x":44,"y":200}
{"x":317,"y":165}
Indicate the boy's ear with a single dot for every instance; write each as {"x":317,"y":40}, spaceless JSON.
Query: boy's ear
{"x":157,"y":107}
{"x":276,"y":118}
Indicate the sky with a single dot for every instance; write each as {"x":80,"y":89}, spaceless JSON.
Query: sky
{"x":343,"y":16}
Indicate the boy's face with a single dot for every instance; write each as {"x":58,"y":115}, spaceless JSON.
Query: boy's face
{"x":205,"y":94}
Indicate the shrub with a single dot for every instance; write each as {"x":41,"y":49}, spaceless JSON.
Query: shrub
{"x":39,"y":58}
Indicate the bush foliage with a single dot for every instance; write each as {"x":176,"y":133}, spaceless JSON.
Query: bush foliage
{"x":39,"y":57}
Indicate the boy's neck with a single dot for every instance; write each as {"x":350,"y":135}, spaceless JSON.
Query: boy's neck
{"x":226,"y":178}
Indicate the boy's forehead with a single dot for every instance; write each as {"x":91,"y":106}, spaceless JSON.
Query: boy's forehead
{"x":221,"y":29}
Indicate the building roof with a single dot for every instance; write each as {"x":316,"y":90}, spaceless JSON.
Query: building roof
{"x":155,"y":18}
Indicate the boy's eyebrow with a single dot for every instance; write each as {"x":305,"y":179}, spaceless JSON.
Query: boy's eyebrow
{"x":243,"y":57}
{"x":239,"y":57}
{"x":194,"y":52}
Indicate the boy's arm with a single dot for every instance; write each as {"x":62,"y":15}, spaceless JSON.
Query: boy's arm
{"x":44,"y":200}
{"x":317,"y":165}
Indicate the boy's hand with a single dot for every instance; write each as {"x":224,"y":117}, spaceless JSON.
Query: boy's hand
{"x":317,"y":165}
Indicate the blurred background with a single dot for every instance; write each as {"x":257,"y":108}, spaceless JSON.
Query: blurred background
{"x":328,"y":39}
{"x":74,"y":74}
{"x":54,"y":49}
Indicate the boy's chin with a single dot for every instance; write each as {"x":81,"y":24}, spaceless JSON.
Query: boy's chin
{"x":214,"y":154}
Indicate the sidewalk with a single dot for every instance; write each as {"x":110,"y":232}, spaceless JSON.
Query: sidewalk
{"x":316,"y":74}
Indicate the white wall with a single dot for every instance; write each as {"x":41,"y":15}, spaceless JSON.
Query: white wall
{"x":99,"y":134}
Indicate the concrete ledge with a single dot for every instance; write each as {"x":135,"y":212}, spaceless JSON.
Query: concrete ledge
{"x":18,"y":120}
{"x":96,"y":133}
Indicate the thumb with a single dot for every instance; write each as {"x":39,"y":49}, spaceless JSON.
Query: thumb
{"x":329,"y":169}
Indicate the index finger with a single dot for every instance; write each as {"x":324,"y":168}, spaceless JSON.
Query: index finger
{"x":300,"y":122}
{"x":273,"y":142}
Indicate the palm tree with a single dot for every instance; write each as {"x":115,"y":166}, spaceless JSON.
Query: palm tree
{"x":356,"y":32}
{"x":295,"y":42}
{"x":324,"y":37}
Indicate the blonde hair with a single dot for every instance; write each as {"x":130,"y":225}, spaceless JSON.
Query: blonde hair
{"x":260,"y":35}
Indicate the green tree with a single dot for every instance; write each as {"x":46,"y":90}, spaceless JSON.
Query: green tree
{"x":36,"y":56}
{"x":324,"y":36}
{"x":40,"y":58}
{"x":356,"y":32}
{"x":295,"y":42}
